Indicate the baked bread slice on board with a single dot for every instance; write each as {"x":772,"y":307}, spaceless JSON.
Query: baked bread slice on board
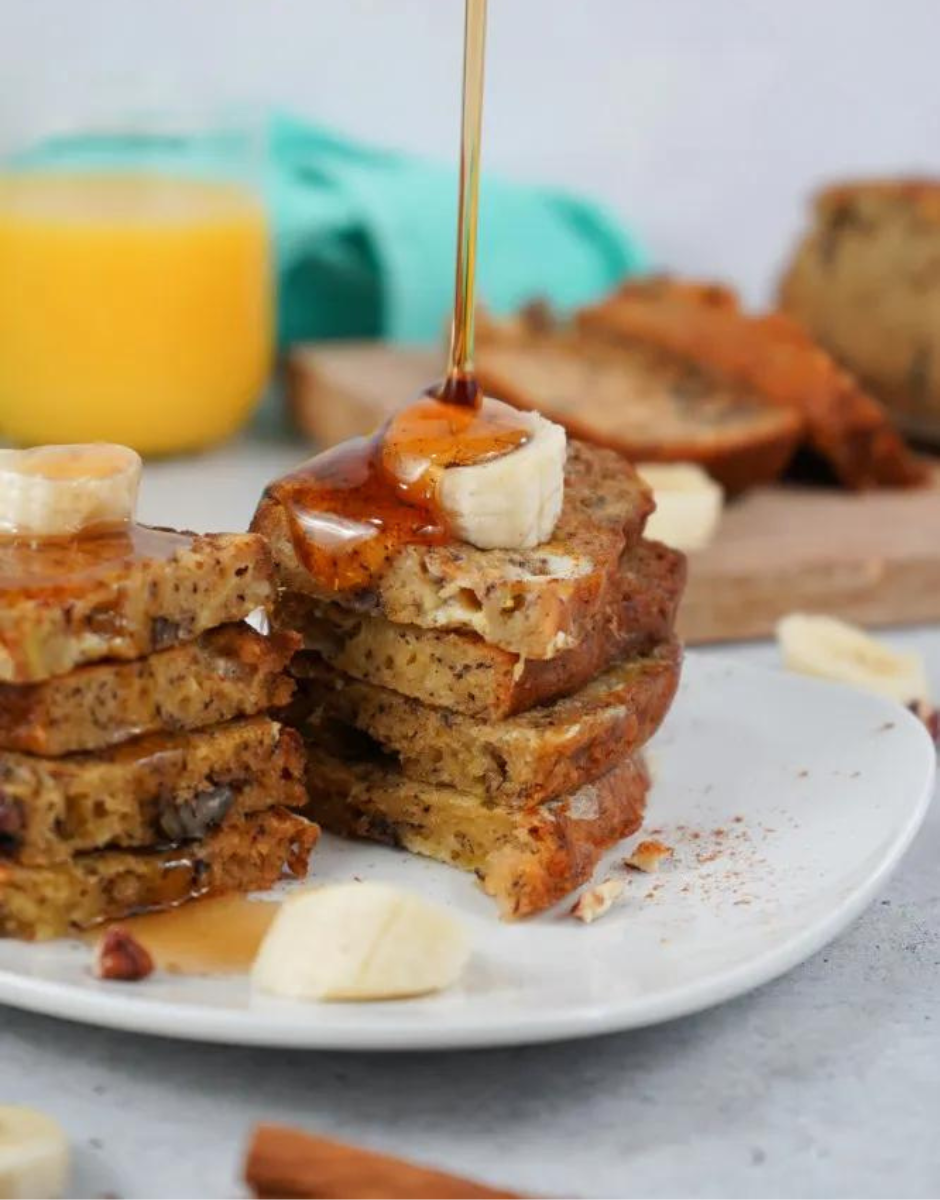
{"x":775,"y":357}
{"x":865,"y":280}
{"x":640,"y":399}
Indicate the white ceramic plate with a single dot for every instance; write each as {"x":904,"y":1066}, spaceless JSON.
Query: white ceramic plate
{"x":788,"y":803}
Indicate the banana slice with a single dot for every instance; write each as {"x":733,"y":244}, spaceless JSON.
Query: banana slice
{"x":512,"y":501}
{"x":833,"y":649}
{"x":34,"y":1154}
{"x":359,"y":941}
{"x":60,"y":491}
{"x":688,"y":504}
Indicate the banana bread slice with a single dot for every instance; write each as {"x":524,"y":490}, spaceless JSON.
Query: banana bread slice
{"x":536,"y":603}
{"x":527,"y":859}
{"x":520,"y":762}
{"x":774,"y":356}
{"x":651,"y":405}
{"x":122,"y":596}
{"x":462,"y":672}
{"x":865,"y":280}
{"x":157,"y":789}
{"x":228,"y":672}
{"x":242,"y":856}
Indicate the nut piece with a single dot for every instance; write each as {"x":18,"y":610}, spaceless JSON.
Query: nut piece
{"x":594,"y":903}
{"x":648,"y":855}
{"x":929,"y":715}
{"x":120,"y":956}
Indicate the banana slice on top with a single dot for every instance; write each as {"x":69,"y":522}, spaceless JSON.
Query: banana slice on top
{"x":61,"y":491}
{"x":834,"y":649}
{"x":34,"y":1154}
{"x":511,"y":502}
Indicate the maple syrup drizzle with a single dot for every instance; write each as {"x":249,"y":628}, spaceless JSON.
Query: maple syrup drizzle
{"x":57,"y":565}
{"x":351,"y":509}
{"x":460,"y":387}
{"x":218,"y":935}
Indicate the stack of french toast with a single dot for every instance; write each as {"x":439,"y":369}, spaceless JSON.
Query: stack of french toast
{"x":488,"y":708}
{"x":138,"y":767}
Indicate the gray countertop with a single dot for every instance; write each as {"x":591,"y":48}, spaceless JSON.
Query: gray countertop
{"x":824,"y":1083}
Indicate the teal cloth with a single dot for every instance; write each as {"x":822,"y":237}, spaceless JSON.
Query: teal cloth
{"x":364,"y":238}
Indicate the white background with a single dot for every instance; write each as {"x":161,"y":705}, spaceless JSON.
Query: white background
{"x":703,"y":122}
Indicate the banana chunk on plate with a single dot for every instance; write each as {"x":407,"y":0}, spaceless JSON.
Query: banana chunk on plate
{"x":34,"y":1154}
{"x":359,"y":941}
{"x":832,"y":649}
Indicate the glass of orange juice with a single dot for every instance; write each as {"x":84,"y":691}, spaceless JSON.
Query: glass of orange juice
{"x":136,"y":304}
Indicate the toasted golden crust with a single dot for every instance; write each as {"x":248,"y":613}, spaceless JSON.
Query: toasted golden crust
{"x":163,"y":788}
{"x":122,"y":596}
{"x":462,"y":672}
{"x":864,"y":281}
{"x":776,"y":357}
{"x":527,"y":859}
{"x":243,"y":856}
{"x":519,"y":762}
{"x":535,"y":603}
{"x":228,"y":672}
{"x":639,"y":400}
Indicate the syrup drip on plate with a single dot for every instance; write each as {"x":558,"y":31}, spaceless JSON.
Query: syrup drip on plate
{"x":219,"y":935}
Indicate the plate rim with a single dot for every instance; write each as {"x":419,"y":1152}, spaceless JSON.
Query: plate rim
{"x":242,"y":1028}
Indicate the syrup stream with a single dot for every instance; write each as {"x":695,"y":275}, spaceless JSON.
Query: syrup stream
{"x":460,"y":387}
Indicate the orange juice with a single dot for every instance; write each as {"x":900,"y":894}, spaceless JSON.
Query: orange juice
{"x":133,"y":308}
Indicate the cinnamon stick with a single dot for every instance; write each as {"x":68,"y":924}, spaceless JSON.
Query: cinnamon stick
{"x":287,"y":1164}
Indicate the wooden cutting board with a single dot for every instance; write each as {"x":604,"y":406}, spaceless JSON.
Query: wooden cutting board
{"x":872,"y":558}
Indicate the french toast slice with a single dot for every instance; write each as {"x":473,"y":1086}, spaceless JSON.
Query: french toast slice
{"x":247,"y":855}
{"x":773,"y":355}
{"x":229,"y":672}
{"x":158,"y":789}
{"x":121,"y":596}
{"x":519,"y":762}
{"x":536,"y":603}
{"x":639,"y":399}
{"x":460,"y":671}
{"x":526,"y":859}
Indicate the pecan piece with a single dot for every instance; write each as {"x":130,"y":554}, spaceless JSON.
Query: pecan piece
{"x":120,"y":956}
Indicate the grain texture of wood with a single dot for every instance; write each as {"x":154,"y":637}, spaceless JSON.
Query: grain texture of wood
{"x":287,"y":1164}
{"x":868,"y":557}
